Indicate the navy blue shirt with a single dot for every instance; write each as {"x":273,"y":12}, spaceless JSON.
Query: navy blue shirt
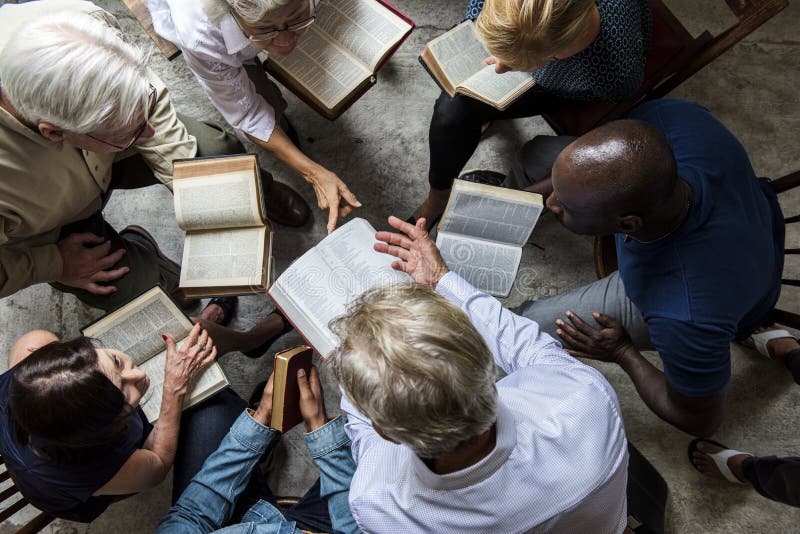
{"x":610,"y":69}
{"x":717,"y":277}
{"x":65,"y":490}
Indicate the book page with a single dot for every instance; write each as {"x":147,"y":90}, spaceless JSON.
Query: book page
{"x":226,"y":200}
{"x":325,"y":70}
{"x":459,"y":53}
{"x":504,"y":220}
{"x":136,"y":328}
{"x":364,"y":27}
{"x":499,"y":89}
{"x":490,"y":267}
{"x":203,"y":386}
{"x":233,"y":257}
{"x":322,"y":282}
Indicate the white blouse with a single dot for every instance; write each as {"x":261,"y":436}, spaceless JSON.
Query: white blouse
{"x":215,"y":52}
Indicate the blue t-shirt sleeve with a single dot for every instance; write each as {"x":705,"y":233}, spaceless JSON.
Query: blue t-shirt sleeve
{"x":696,"y":357}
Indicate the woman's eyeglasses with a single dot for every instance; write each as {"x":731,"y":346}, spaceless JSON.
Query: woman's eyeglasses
{"x":293,"y":26}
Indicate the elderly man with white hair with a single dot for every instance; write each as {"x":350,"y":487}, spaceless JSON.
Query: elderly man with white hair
{"x":80,"y":116}
{"x":441,"y":447}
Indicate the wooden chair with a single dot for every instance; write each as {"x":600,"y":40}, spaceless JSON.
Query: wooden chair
{"x":674,"y":56}
{"x":605,"y":252}
{"x":142,"y":16}
{"x":34,"y":525}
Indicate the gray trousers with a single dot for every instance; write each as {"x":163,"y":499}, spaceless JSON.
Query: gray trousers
{"x":532,"y":164}
{"x":269,"y":90}
{"x":146,"y":268}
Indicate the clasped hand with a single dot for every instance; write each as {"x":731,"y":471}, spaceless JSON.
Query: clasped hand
{"x":312,"y":401}
{"x":87,"y":263}
{"x":609,"y":343}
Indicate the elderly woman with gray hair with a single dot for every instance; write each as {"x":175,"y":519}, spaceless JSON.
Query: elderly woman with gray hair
{"x":220,"y":40}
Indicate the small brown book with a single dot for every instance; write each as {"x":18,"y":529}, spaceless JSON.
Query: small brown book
{"x":286,"y":394}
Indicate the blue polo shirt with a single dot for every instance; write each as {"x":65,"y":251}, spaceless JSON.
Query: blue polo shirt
{"x":717,"y":277}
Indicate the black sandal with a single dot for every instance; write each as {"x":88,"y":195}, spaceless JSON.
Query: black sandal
{"x":261,"y":349}
{"x":228,"y":305}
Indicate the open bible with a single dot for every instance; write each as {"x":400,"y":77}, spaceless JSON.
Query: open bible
{"x":319,"y":285}
{"x":337,"y":59}
{"x":482,"y":233}
{"x":136,"y":329}
{"x":228,"y":245}
{"x":456,"y":61}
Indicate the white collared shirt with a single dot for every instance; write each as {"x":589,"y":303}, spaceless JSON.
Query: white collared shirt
{"x":560,"y":459}
{"x":215,"y":52}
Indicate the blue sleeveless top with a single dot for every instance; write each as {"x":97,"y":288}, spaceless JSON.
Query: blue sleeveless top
{"x":65,"y":489}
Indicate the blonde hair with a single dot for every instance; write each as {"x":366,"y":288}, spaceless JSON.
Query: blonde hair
{"x":413,"y":363}
{"x":526,"y":34}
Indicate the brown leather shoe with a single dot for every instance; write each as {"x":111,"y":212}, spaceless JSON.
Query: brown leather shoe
{"x":284,"y":205}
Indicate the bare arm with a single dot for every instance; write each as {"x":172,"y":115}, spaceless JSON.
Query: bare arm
{"x":332,"y":193}
{"x":148,"y":466}
{"x":699,"y":416}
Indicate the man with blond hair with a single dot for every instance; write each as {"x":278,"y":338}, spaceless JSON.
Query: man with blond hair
{"x":80,"y":116}
{"x":576,"y":51}
{"x":441,"y":447}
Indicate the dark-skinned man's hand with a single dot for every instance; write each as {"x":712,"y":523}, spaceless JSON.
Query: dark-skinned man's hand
{"x":609,"y":343}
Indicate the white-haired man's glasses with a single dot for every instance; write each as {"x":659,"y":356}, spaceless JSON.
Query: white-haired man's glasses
{"x":152,"y":101}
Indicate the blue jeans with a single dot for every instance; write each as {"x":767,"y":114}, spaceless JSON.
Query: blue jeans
{"x":208,"y":501}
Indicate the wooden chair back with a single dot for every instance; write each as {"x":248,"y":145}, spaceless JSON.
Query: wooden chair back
{"x":605,"y":252}
{"x":12,"y":501}
{"x":674,"y":56}
{"x":142,"y":16}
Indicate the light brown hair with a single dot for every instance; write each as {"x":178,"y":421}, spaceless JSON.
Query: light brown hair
{"x":525,"y":34}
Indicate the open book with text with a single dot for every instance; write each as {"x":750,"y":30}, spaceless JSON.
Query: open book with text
{"x":337,"y":59}
{"x":482,"y":233}
{"x":456,"y":60}
{"x":319,"y":285}
{"x":220,"y":206}
{"x":136,"y":329}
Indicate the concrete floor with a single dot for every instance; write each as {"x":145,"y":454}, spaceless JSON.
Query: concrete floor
{"x":752,"y":88}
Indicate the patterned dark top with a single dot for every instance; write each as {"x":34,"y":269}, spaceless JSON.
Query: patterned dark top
{"x":612,"y":67}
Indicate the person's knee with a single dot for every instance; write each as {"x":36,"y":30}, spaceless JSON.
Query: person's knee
{"x":536,"y":157}
{"x":219,"y":144}
{"x":33,"y":340}
{"x":212,"y":139}
{"x":450,"y":113}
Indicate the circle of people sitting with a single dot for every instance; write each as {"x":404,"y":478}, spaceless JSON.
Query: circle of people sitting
{"x":431,"y":438}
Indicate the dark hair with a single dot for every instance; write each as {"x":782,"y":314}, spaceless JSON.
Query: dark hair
{"x":62,"y":405}
{"x":629,"y":163}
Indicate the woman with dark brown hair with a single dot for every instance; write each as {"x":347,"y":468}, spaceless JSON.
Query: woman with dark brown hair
{"x":73,"y":434}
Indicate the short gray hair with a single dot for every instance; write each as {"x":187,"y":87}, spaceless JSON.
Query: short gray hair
{"x":76,"y":73}
{"x":251,"y":11}
{"x":415,"y":365}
